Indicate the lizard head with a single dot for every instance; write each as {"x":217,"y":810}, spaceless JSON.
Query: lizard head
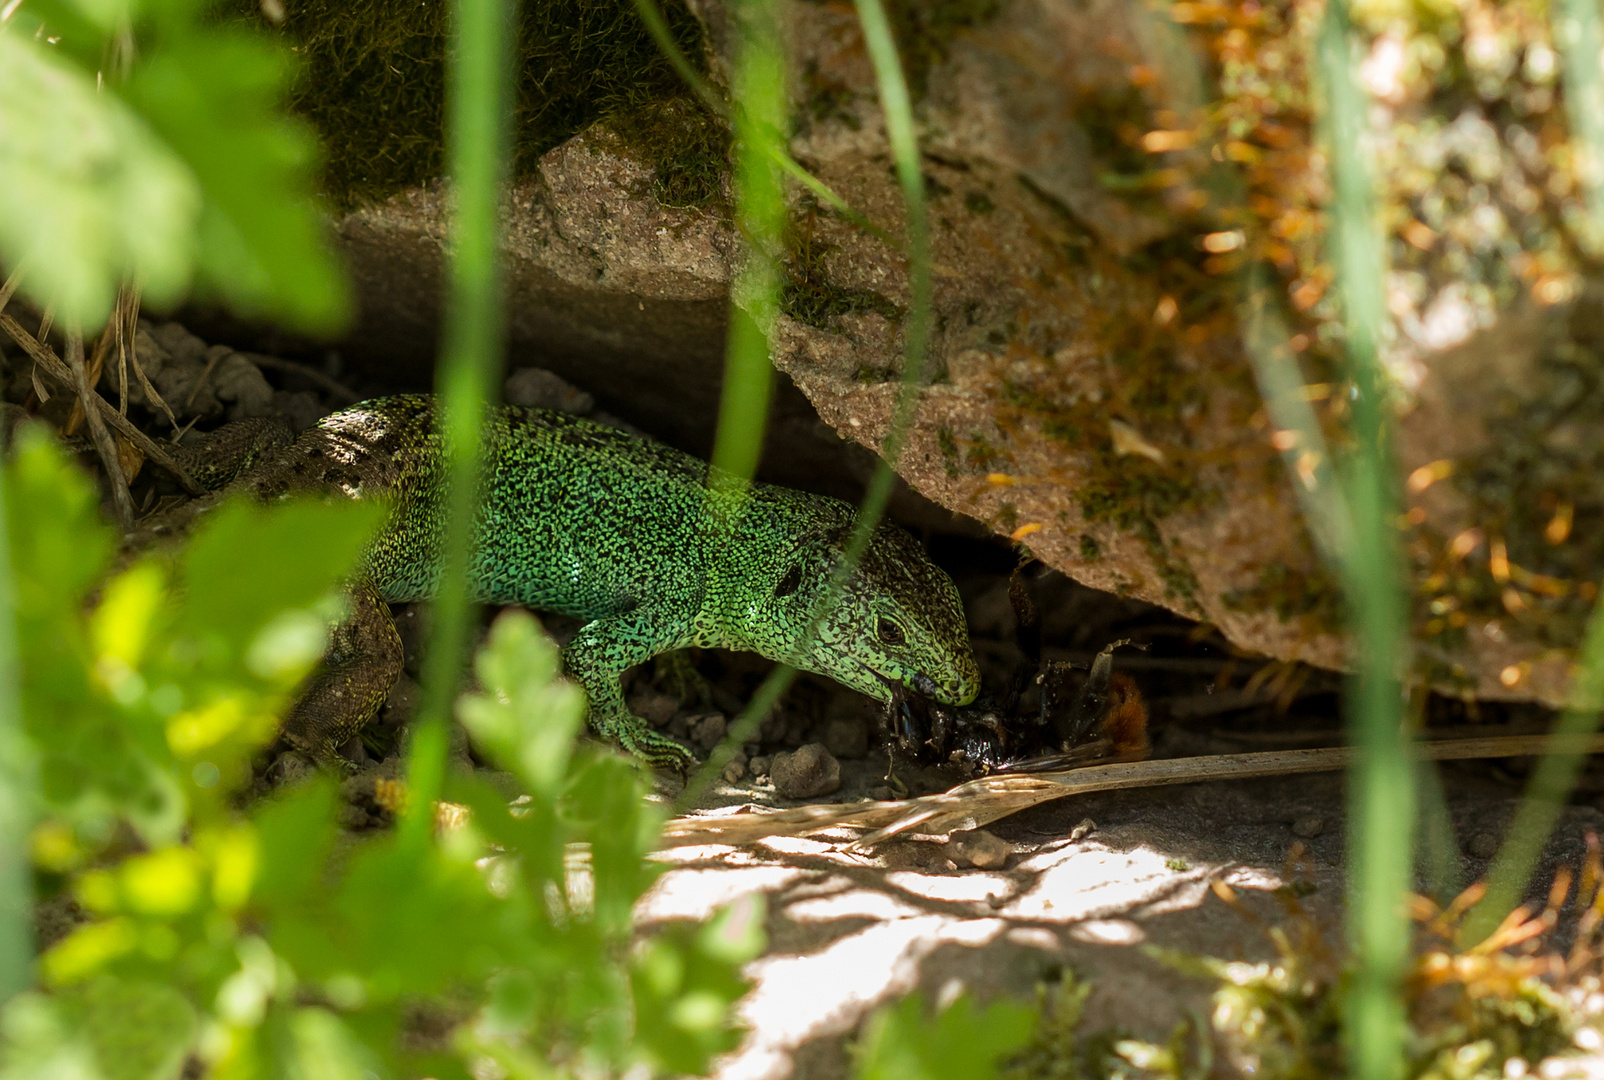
{"x":897,"y":619}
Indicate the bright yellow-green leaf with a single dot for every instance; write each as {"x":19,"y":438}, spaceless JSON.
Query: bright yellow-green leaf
{"x":165,"y":882}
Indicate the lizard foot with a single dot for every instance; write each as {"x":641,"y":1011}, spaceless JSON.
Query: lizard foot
{"x":656,"y":749}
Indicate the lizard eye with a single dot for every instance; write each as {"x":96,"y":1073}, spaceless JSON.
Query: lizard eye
{"x":788,"y":584}
{"x":889,"y":632}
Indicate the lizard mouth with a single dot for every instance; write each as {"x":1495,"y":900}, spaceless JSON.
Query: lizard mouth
{"x":918,"y":681}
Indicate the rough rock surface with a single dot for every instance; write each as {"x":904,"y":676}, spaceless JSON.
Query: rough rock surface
{"x":1077,"y":408}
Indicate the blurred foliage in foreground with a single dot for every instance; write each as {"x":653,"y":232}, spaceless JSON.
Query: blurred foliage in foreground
{"x":261,"y":940}
{"x":147,"y":141}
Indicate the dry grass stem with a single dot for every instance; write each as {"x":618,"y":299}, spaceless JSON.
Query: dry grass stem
{"x":98,"y":434}
{"x":311,"y":374}
{"x":45,"y":358}
{"x":977,"y":803}
{"x":92,"y":373}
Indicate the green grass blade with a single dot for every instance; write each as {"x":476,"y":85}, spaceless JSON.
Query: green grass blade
{"x":1381,"y":782}
{"x":761,"y":220}
{"x":897,"y":105}
{"x":478,"y":148}
{"x":774,"y":146}
{"x":1581,"y":39}
{"x":16,"y":876}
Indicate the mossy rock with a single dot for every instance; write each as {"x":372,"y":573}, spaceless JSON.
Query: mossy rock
{"x":373,"y":83}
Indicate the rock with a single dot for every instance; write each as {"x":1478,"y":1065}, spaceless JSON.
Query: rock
{"x":290,"y":767}
{"x":300,"y":409}
{"x":1308,"y":828}
{"x":173,"y":360}
{"x":412,"y":624}
{"x":656,"y":709}
{"x":978,"y":848}
{"x":758,"y":766}
{"x":736,"y":769}
{"x":1098,"y":410}
{"x":239,"y":384}
{"x":402,"y":704}
{"x":847,"y":737}
{"x":708,"y":731}
{"x":1483,"y":845}
{"x":537,"y":388}
{"x":806,"y":772}
{"x":1084,"y":828}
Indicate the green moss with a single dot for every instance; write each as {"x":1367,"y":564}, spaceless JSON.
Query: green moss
{"x":1291,"y":594}
{"x":982,"y":456}
{"x":1060,"y":1049}
{"x":373,"y":84}
{"x":873,"y":376}
{"x":1090,"y":549}
{"x":949,"y":450}
{"x":828,"y":100}
{"x":809,"y":296}
{"x":926,"y":29}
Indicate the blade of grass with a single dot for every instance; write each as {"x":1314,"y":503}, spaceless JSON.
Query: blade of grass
{"x":1581,"y":40}
{"x":761,"y":220}
{"x":897,"y":106}
{"x":478,"y":147}
{"x":1381,"y":782}
{"x":772,"y":144}
{"x":16,"y":877}
{"x":1577,"y":27}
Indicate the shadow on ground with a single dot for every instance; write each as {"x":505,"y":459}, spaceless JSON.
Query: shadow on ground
{"x":1089,"y":883}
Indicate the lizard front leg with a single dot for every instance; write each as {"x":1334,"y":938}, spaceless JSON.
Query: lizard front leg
{"x":364,"y":659}
{"x":597,"y":656}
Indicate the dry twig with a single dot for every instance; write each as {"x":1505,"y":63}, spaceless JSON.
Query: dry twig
{"x":104,"y":446}
{"x":45,"y":358}
{"x":980,"y":802}
{"x":311,"y":374}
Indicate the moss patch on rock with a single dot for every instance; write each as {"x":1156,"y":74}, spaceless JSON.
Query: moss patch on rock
{"x":373,"y":84}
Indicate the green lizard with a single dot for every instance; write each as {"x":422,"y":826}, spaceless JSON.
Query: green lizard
{"x":589,"y":521}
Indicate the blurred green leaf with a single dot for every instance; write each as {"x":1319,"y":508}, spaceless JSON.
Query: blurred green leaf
{"x":37,"y":1042}
{"x":686,"y":980}
{"x":91,"y":194}
{"x":959,"y":1043}
{"x":106,"y":1029}
{"x":325,"y":1049}
{"x":216,"y":96}
{"x":249,"y":564}
{"x":526,"y":717}
{"x":140,"y":1029}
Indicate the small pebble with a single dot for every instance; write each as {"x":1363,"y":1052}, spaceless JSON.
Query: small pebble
{"x":806,"y":772}
{"x":1483,"y":845}
{"x":758,"y":765}
{"x":708,"y":731}
{"x":402,"y":704}
{"x":1308,"y":827}
{"x":290,"y":767}
{"x":538,"y":388}
{"x":978,"y":848}
{"x":1080,"y":832}
{"x":655,"y":709}
{"x":736,"y":769}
